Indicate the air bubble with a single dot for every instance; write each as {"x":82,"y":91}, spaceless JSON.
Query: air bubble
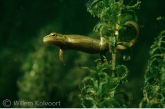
{"x":126,"y":57}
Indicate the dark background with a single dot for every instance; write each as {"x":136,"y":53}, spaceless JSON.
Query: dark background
{"x":31,"y":70}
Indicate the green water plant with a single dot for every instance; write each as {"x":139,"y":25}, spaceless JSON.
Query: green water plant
{"x":110,"y":13}
{"x":99,"y":88}
{"x":154,"y":84}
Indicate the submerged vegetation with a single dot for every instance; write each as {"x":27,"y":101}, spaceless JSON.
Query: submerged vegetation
{"x":99,"y":88}
{"x":154,"y":84}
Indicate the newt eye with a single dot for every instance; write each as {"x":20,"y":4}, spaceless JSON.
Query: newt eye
{"x":53,"y":34}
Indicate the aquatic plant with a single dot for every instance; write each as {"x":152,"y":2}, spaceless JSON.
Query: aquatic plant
{"x":154,"y":84}
{"x":111,"y":14}
{"x":99,"y":88}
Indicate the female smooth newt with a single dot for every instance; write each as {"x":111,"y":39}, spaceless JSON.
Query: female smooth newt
{"x":86,"y":44}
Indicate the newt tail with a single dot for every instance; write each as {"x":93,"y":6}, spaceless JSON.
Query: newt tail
{"x":86,"y":44}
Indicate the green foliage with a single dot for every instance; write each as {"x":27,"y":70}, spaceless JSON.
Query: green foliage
{"x":154,"y":89}
{"x":98,"y":89}
{"x":109,"y":12}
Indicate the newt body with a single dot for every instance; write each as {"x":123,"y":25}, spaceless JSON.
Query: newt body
{"x":74,"y":42}
{"x":86,"y":44}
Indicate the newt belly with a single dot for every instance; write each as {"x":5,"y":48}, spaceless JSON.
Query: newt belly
{"x":86,"y":44}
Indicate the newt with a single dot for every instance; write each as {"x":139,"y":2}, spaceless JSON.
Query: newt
{"x":86,"y":44}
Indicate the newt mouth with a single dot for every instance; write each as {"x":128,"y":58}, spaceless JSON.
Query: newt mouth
{"x":45,"y":40}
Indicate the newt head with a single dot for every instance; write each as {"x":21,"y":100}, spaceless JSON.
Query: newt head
{"x":55,"y":39}
{"x":58,"y":40}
